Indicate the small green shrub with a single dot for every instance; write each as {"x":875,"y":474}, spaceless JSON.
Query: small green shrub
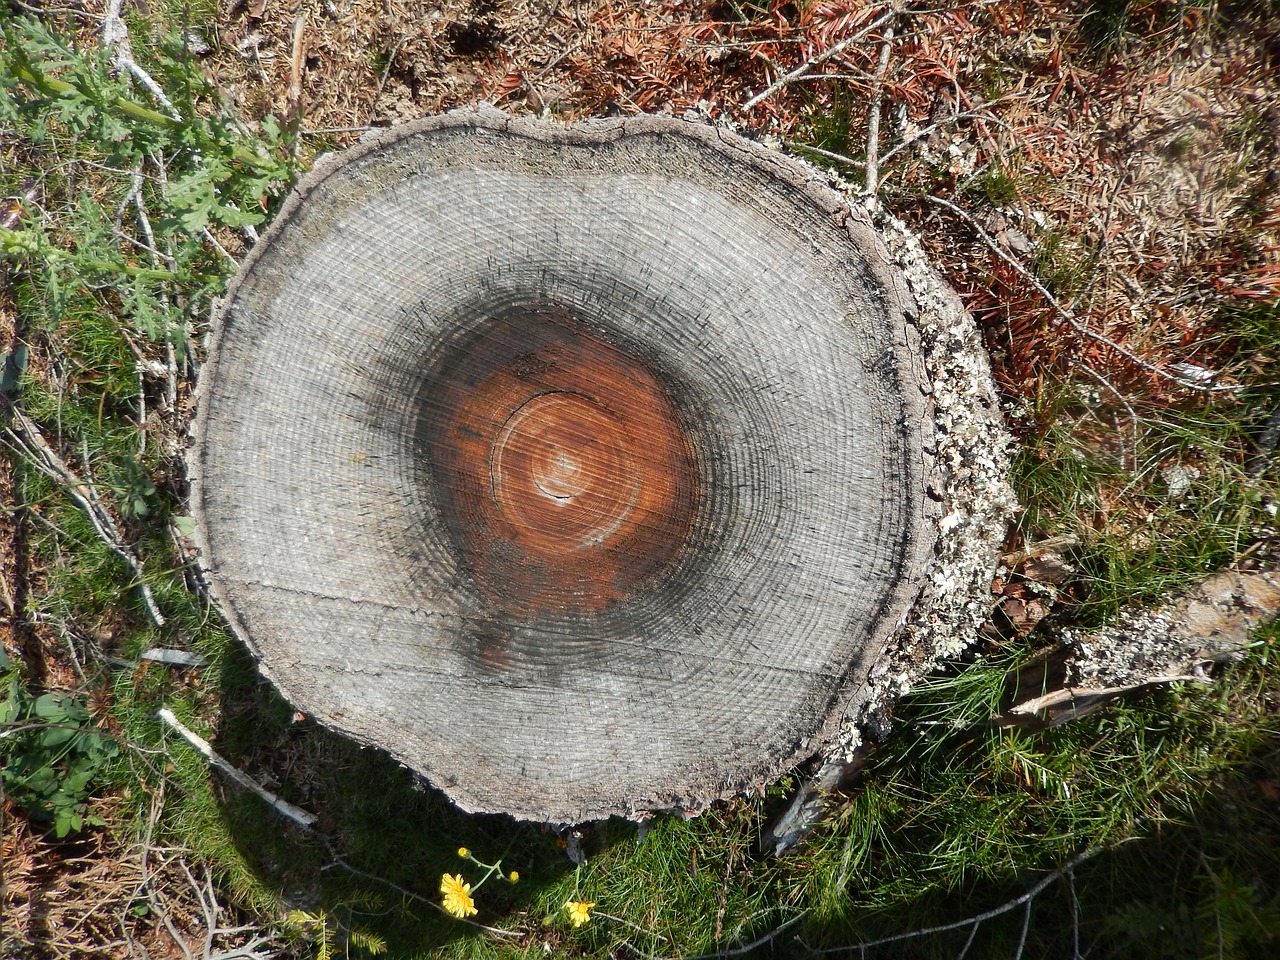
{"x":335,"y":934}
{"x":192,"y":164}
{"x":50,"y":753}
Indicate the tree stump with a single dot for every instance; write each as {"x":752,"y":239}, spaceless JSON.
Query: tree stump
{"x":586,"y":470}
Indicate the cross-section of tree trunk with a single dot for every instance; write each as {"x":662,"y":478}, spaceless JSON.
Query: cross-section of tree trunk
{"x":585,"y":469}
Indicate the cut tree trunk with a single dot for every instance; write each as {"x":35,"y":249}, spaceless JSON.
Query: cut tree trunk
{"x":587,"y":470}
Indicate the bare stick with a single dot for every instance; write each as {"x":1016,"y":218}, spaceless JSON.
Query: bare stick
{"x":223,"y":250}
{"x":171,"y":367}
{"x":209,"y":906}
{"x":31,"y":443}
{"x":325,"y":131}
{"x":386,"y":70}
{"x":748,"y":947}
{"x":115,"y":36}
{"x":873,"y":114}
{"x":1022,"y":936}
{"x":924,"y":132}
{"x":114,"y":32}
{"x":1133,"y":414}
{"x":296,"y":62}
{"x":283,"y":807}
{"x":991,"y":914}
{"x":968,"y":114}
{"x":829,"y":154}
{"x":1075,"y":915}
{"x":1070,"y":318}
{"x":153,"y":898}
{"x":822,"y":58}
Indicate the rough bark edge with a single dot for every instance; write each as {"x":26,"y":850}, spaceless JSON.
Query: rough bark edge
{"x":937,"y":323}
{"x":971,"y":481}
{"x":968,"y":449}
{"x":1177,"y":641}
{"x":970,"y":453}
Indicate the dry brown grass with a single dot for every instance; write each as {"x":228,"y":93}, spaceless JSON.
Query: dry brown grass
{"x":99,"y":897}
{"x":1139,"y":173}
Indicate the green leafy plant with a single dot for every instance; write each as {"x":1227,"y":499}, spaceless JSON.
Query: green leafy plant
{"x":1236,"y":913}
{"x":196,"y":166}
{"x":138,"y":496}
{"x":51,"y":752}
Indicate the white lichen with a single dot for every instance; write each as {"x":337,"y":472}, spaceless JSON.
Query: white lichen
{"x":972,"y":453}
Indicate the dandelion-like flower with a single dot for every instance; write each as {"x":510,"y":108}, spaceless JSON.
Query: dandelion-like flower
{"x":464,"y":852}
{"x":579,"y":912}
{"x":514,"y":876}
{"x":457,"y":896}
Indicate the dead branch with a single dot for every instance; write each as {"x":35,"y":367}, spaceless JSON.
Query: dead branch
{"x":207,"y":899}
{"x":924,"y":132}
{"x":283,"y":807}
{"x":297,"y":61}
{"x":115,"y":37}
{"x":1066,"y":315}
{"x":817,"y":61}
{"x":977,"y":919}
{"x":1205,"y":624}
{"x":873,"y":114}
{"x":1208,"y":623}
{"x":1134,"y":419}
{"x":809,"y":803}
{"x":31,"y":444}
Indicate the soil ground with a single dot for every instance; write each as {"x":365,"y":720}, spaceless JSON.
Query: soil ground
{"x":1129,"y":160}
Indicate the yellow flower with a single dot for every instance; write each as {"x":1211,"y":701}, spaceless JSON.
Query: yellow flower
{"x":514,"y":876}
{"x":464,"y":852}
{"x":579,"y":912}
{"x":457,"y":896}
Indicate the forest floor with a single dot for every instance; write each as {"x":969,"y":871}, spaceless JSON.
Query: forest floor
{"x":1099,"y":181}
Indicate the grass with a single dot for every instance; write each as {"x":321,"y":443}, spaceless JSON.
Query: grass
{"x":111,"y":270}
{"x":1085,"y":479}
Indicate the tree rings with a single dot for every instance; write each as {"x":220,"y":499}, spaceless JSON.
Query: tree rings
{"x":562,"y":469}
{"x":580,"y":468}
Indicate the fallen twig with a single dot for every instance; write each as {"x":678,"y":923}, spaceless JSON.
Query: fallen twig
{"x":30,"y":442}
{"x":284,"y":807}
{"x":1208,"y":623}
{"x":822,"y":58}
{"x":873,"y":114}
{"x":1134,"y":419}
{"x":170,"y":365}
{"x":924,"y":132}
{"x":209,"y":906}
{"x":1066,"y":315}
{"x":297,"y":60}
{"x":115,"y":36}
{"x":748,"y":947}
{"x":976,"y":919}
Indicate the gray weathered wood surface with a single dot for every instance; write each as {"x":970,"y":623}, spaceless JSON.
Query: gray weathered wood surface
{"x":766,"y":307}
